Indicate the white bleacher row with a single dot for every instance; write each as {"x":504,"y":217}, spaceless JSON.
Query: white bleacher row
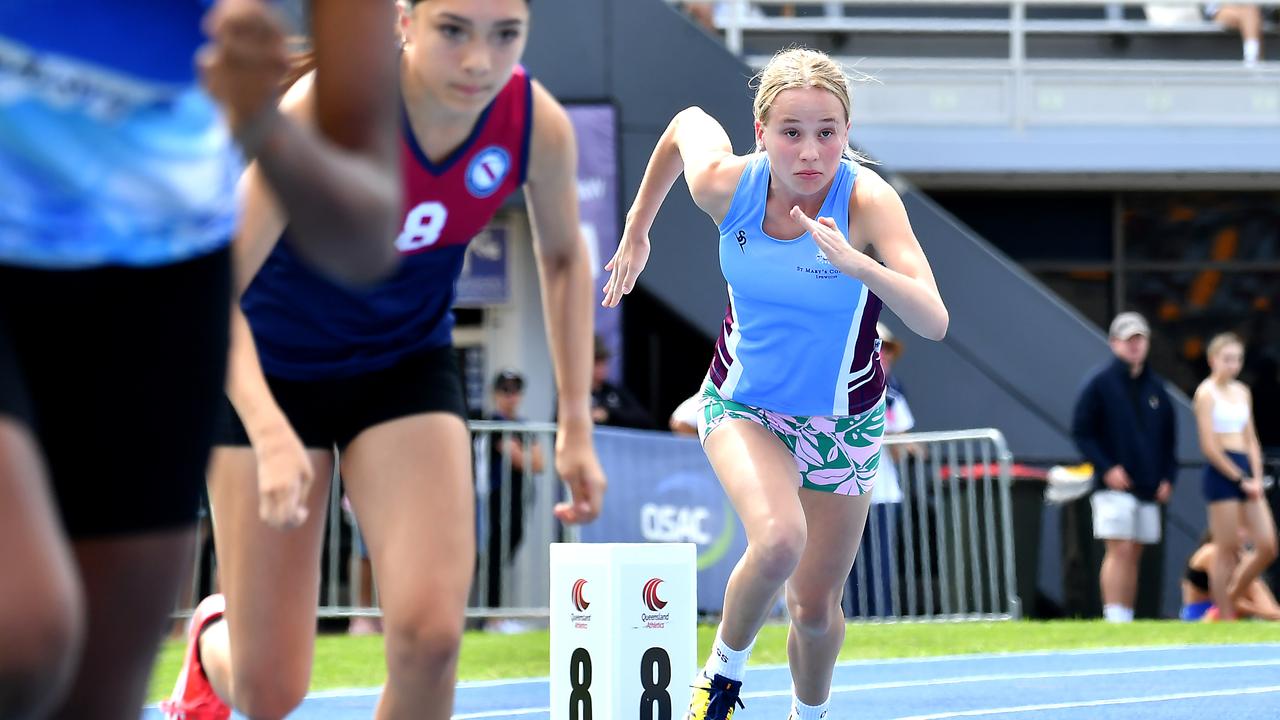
{"x":1015,"y":64}
{"x":1020,"y":20}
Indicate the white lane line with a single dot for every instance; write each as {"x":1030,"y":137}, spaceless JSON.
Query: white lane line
{"x":496,"y":683}
{"x":501,"y":713}
{"x":1007,"y":677}
{"x":1072,"y":652}
{"x":345,"y":693}
{"x":979,"y":679}
{"x":1234,"y":692}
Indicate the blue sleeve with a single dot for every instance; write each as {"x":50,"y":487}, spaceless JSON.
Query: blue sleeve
{"x":1086,"y":425}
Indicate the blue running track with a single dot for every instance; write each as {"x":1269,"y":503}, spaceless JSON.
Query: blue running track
{"x":1204,"y":682}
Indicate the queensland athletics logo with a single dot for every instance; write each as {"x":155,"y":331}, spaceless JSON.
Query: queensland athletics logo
{"x":487,"y":170}
{"x":579,"y":598}
{"x":580,"y":618}
{"x":651,"y":598}
{"x":654,"y":619}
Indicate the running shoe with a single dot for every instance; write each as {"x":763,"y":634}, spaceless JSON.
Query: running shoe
{"x":714,"y":698}
{"x":193,"y":697}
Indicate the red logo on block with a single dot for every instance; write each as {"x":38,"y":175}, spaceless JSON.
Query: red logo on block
{"x":651,"y":598}
{"x":579,"y":601}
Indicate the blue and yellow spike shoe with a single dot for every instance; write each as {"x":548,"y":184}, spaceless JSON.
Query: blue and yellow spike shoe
{"x":714,"y":698}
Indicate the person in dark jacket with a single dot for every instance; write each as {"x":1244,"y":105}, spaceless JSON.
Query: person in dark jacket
{"x":1124,"y":425}
{"x":613,"y":404}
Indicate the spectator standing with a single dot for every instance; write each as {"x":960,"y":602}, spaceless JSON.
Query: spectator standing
{"x":506,"y":500}
{"x":1232,"y":481}
{"x":1124,"y":425}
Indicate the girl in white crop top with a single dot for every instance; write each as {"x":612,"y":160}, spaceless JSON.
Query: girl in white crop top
{"x":1233,"y":479}
{"x":1230,"y":408}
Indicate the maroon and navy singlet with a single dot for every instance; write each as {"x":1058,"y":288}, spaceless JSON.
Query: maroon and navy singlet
{"x":309,"y":328}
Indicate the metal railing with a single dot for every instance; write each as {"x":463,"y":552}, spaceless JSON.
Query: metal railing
{"x":952,"y":559}
{"x":511,"y":578}
{"x":509,"y":570}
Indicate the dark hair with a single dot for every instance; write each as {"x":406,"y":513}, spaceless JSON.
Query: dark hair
{"x":600,"y":351}
{"x":304,"y":61}
{"x":508,"y":381}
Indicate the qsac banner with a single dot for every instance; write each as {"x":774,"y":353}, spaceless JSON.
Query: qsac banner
{"x":662,"y":489}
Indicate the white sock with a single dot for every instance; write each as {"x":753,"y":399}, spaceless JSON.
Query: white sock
{"x":800,"y":711}
{"x":1117,"y":613}
{"x":1251,"y":51}
{"x":726,"y":661}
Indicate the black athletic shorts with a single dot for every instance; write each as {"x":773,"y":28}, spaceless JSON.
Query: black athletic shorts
{"x":118,"y":373}
{"x":326,"y":413}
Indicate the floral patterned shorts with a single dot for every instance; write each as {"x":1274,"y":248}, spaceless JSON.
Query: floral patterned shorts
{"x":835,"y":454}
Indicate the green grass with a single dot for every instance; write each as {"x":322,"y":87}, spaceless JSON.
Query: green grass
{"x":344,"y":662}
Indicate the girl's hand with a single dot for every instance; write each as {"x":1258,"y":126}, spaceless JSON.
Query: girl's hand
{"x":632,"y":256}
{"x":833,"y":243}
{"x":244,"y":64}
{"x":579,"y":468}
{"x":1252,"y":488}
{"x":285,"y":475}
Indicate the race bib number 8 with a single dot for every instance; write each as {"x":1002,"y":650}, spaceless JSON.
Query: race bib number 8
{"x":422,"y":227}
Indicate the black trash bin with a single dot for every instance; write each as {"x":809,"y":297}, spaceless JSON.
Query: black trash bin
{"x":1082,"y":563}
{"x":1028,"y":511}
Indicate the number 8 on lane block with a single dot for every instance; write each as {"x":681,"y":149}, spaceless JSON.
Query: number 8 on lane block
{"x":623,"y":630}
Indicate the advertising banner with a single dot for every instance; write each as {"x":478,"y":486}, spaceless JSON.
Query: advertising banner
{"x":662,"y":489}
{"x":595,"y":128}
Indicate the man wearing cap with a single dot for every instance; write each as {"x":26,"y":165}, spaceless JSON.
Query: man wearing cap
{"x":1124,"y":425}
{"x":506,"y":500}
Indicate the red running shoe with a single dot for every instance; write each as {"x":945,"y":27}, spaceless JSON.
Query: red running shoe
{"x":193,"y":697}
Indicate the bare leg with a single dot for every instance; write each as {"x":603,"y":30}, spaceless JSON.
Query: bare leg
{"x":1248,"y":20}
{"x":703,"y":14}
{"x":1255,"y":516}
{"x":258,"y":659}
{"x":131,"y":583}
{"x":1224,"y":523}
{"x":815,"y":590}
{"x":760,"y":477}
{"x":42,"y":626}
{"x":1119,"y":576}
{"x":410,"y":483}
